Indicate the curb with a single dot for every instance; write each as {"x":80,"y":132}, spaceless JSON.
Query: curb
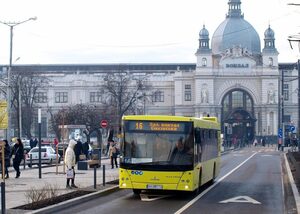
{"x":75,"y":201}
{"x":292,"y":183}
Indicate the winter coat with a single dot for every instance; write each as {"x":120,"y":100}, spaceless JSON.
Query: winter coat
{"x":113,"y":150}
{"x":70,"y":159}
{"x":18,"y":151}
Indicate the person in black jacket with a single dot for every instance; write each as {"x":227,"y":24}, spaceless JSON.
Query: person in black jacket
{"x":6,"y":158}
{"x":18,"y":155}
{"x":78,"y":149}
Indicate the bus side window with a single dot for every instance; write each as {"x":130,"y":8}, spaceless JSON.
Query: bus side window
{"x":197,"y":148}
{"x":197,"y":136}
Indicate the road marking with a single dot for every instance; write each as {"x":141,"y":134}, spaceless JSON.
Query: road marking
{"x":212,"y":186}
{"x":147,"y":197}
{"x":240,"y":199}
{"x":266,"y":155}
{"x":238,"y":155}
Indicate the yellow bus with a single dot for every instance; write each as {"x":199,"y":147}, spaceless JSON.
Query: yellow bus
{"x":168,"y":152}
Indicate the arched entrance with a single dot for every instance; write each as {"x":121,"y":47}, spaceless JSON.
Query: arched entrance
{"x":238,"y":121}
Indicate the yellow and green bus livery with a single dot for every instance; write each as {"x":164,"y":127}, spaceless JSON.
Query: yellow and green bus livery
{"x":168,"y":152}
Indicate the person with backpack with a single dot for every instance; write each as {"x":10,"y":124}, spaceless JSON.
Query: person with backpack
{"x":113,"y":154}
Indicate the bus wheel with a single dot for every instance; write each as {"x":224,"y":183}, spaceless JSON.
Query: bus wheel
{"x":136,"y":191}
{"x":197,"y":191}
{"x":214,"y":174}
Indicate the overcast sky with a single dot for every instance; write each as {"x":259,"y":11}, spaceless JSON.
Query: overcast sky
{"x":131,"y":31}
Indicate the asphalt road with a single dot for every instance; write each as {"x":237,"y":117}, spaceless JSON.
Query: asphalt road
{"x":250,"y":182}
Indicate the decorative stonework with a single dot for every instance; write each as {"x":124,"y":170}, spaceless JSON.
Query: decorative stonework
{"x":249,"y":86}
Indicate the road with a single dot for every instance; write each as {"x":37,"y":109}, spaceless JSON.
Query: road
{"x":250,"y":182}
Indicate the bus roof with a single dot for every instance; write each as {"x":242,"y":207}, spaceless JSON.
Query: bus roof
{"x":205,"y":122}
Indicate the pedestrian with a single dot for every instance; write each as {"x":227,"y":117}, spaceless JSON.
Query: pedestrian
{"x":55,"y":142}
{"x":255,"y":142}
{"x":113,"y":154}
{"x":31,"y":143}
{"x":107,"y":148}
{"x":70,"y":161}
{"x":279,"y":143}
{"x":18,"y":155}
{"x":263,"y":142}
{"x":78,"y":149}
{"x":85,"y":149}
{"x":35,"y":142}
{"x":6,"y":157}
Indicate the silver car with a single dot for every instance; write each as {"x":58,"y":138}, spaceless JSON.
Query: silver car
{"x":48,"y":156}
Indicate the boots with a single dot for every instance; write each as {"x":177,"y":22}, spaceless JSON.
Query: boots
{"x":7,"y":176}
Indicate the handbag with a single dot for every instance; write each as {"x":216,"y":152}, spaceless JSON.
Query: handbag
{"x":70,"y":173}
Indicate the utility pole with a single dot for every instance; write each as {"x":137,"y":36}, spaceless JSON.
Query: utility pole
{"x":11,"y":25}
{"x":298,"y":129}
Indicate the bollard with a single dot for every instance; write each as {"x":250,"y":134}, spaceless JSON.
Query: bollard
{"x":103,"y":175}
{"x":30,"y":160}
{"x":3,"y":208}
{"x":95,"y":177}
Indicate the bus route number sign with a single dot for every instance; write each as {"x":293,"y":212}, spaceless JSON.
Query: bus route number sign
{"x":158,"y":126}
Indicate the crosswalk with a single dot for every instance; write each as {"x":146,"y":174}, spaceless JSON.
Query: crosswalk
{"x":255,"y":149}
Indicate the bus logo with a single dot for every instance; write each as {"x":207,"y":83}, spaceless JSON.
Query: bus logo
{"x":137,"y":172}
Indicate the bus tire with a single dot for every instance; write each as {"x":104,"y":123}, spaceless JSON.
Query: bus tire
{"x":136,"y":191}
{"x":214,"y":173}
{"x":197,"y":190}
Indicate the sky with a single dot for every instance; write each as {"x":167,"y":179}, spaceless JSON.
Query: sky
{"x":131,"y":31}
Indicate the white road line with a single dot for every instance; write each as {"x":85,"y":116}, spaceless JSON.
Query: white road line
{"x":212,"y":186}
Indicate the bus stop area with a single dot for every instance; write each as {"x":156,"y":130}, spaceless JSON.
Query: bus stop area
{"x":16,"y":190}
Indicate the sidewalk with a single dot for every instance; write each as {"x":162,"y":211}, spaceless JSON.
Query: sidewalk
{"x":29,"y":179}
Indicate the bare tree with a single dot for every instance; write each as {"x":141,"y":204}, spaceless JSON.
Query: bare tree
{"x":28,"y":84}
{"x":124,"y":91}
{"x":88,"y":115}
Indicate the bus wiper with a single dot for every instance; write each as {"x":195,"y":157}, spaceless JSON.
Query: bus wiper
{"x":157,"y":163}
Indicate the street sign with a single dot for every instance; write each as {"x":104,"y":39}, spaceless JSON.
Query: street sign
{"x":104,"y":123}
{"x":292,"y":128}
{"x":280,"y":133}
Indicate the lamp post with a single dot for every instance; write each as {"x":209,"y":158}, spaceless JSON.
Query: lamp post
{"x":11,"y":25}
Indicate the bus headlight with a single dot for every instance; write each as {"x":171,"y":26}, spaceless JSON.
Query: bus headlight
{"x":186,"y":187}
{"x":123,"y":184}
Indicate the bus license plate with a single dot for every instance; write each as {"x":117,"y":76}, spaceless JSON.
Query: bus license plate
{"x":150,"y":186}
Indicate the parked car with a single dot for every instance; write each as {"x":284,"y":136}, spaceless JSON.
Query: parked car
{"x":48,"y":156}
{"x":27,"y":147}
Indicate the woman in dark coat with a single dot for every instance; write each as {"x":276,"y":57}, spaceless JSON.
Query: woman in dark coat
{"x":18,"y":155}
{"x":7,"y":158}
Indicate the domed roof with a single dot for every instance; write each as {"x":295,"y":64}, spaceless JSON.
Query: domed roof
{"x":269,"y":33}
{"x":204,"y":34}
{"x":235,"y":31}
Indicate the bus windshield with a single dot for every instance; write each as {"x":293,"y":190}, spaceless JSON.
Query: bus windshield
{"x":158,"y":143}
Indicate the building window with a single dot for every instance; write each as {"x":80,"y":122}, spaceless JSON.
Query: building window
{"x":41,"y":97}
{"x":286,"y":91}
{"x":61,"y":97}
{"x":95,"y":97}
{"x":188,"y":93}
{"x":158,"y":96}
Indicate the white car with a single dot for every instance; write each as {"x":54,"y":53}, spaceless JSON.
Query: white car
{"x":48,"y":156}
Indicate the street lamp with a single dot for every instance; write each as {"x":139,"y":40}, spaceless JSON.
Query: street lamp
{"x":11,"y":25}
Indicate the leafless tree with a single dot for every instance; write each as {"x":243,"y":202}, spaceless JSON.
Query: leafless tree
{"x":27,"y":83}
{"x":88,"y":115}
{"x":125,"y":91}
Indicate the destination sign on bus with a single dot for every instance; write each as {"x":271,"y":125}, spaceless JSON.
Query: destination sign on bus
{"x":155,"y":126}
